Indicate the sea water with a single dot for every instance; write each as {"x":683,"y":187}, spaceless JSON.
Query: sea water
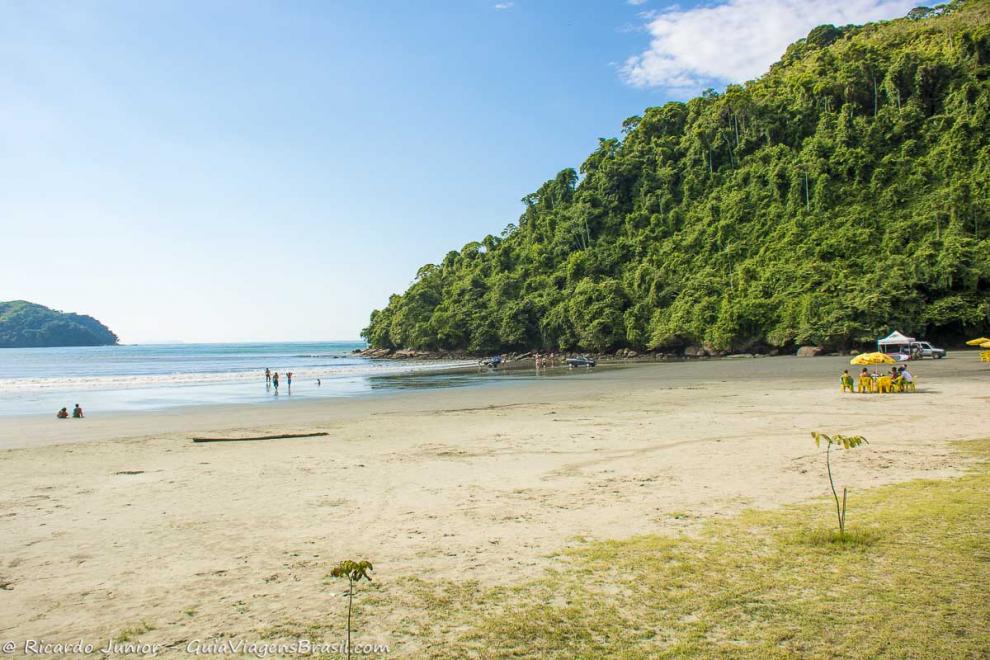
{"x":148,"y":377}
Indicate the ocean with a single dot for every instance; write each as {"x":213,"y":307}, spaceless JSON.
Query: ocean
{"x":153,"y":377}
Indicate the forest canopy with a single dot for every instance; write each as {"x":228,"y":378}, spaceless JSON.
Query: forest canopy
{"x":27,"y":325}
{"x":841,"y":195}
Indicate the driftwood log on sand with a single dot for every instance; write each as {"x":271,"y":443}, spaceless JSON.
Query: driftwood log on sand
{"x":263,"y":437}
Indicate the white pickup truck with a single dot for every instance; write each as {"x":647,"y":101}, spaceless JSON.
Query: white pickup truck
{"x":922,"y":349}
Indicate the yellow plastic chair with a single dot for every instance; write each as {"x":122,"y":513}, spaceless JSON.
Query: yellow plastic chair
{"x":846,"y":383}
{"x":865,"y":384}
{"x":884,"y":385}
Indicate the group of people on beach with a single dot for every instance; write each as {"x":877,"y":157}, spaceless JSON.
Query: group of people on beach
{"x":271,"y":380}
{"x":77,"y":413}
{"x":898,"y":380}
{"x":545,"y":360}
{"x":542,"y":360}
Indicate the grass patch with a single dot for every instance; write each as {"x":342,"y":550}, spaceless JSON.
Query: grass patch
{"x":909,"y":579}
{"x":133,"y":633}
{"x":832,"y":538}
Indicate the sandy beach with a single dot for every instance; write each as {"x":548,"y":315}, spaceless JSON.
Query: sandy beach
{"x":122,"y":526}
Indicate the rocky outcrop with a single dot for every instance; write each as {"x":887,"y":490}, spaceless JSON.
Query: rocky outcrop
{"x":408,"y":353}
{"x":376,"y":352}
{"x":693,"y":351}
{"x":412,"y":354}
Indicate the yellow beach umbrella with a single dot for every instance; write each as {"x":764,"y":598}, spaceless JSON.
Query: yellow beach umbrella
{"x":979,"y":341}
{"x":985,"y":344}
{"x":872,"y":358}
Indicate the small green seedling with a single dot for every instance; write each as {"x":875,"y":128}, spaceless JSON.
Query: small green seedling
{"x":847,"y":442}
{"x":354,"y":571}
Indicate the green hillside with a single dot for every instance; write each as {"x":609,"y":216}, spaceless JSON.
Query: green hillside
{"x":843,"y":194}
{"x":27,"y":325}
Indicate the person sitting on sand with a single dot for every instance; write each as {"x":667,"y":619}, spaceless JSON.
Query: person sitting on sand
{"x":905,"y":381}
{"x":77,"y":412}
{"x":63,"y":413}
{"x":896,"y":380}
{"x":846,"y":381}
{"x":865,"y":382}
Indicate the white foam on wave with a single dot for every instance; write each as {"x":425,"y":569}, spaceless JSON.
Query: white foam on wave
{"x":115,"y":382}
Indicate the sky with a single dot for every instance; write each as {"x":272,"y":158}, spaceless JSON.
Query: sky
{"x":272,"y":171}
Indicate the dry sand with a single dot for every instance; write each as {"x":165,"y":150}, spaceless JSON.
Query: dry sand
{"x":122,"y":522}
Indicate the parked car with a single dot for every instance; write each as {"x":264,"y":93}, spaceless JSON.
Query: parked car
{"x":922,"y":349}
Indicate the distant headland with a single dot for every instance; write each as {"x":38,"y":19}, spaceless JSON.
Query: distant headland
{"x":29,"y":325}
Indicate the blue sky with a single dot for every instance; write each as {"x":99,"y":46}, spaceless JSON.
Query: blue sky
{"x":235,"y":171}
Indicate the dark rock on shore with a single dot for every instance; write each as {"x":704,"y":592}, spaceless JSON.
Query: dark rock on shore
{"x":411,"y":354}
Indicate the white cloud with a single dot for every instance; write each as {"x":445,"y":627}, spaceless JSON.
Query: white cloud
{"x":737,"y":40}
{"x":504,"y":5}
{"x":635,"y":3}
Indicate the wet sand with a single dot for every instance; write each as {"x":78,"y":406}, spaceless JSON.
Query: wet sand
{"x":122,"y":522}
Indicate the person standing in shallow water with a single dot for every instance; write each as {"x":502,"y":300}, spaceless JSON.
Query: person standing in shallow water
{"x":275,"y":381}
{"x":268,"y":376}
{"x":288,"y":381}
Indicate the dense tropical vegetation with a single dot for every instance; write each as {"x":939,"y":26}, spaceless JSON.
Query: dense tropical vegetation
{"x":27,"y":325}
{"x":844,"y":193}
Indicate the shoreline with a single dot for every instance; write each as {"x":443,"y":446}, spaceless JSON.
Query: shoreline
{"x":21,"y":431}
{"x":124,"y":424}
{"x":104,"y":395}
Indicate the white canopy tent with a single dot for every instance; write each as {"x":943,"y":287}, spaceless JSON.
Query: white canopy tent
{"x":894,"y":339}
